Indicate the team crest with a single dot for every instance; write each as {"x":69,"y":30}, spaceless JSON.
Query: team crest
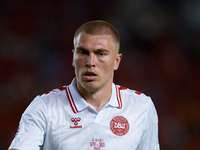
{"x":119,"y":125}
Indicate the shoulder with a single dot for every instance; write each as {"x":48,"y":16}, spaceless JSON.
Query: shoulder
{"x":55,"y":93}
{"x":133,"y":93}
{"x":51,"y":97}
{"x":131,"y":96}
{"x":138,"y":102}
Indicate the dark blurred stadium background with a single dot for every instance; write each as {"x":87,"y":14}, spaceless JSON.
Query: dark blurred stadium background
{"x":161,"y":57}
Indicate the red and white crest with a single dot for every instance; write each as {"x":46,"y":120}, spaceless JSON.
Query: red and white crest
{"x":119,"y":125}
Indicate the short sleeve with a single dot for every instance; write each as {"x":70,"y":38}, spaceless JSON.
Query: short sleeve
{"x":149,"y":139}
{"x":32,"y":126}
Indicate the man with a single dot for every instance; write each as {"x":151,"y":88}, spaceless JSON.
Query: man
{"x":92,"y":113}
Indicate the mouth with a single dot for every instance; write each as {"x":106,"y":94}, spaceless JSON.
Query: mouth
{"x":90,"y":76}
{"x":90,"y":73}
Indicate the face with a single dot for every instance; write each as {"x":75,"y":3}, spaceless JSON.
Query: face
{"x":95,"y":59}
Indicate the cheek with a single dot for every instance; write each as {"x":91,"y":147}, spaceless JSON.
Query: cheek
{"x":108,"y":67}
{"x":78,"y":62}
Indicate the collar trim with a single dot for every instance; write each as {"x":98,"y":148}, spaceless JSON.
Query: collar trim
{"x":119,"y":100}
{"x":71,"y":100}
{"x":77,"y":103}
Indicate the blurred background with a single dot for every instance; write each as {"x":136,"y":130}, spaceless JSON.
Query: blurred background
{"x":160,"y":43}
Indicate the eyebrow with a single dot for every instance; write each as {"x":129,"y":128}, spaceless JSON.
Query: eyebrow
{"x":79,"y":48}
{"x":97,"y":50}
{"x":102,"y":50}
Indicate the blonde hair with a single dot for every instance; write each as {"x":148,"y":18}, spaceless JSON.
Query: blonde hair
{"x":98,"y":27}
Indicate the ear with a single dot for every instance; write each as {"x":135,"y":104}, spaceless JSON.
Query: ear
{"x":117,"y":61}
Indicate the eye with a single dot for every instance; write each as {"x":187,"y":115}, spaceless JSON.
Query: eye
{"x":101,"y":54}
{"x":83,"y":52}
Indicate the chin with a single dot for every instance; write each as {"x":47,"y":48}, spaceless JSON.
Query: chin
{"x":89,"y":86}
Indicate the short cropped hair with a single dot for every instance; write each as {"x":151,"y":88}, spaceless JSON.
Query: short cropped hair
{"x":98,"y":27}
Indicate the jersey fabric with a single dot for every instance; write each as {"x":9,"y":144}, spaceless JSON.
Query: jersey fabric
{"x":63,"y":120}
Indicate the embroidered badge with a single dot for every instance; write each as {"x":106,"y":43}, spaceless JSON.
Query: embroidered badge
{"x":119,"y":125}
{"x":97,"y":143}
{"x":75,"y":121}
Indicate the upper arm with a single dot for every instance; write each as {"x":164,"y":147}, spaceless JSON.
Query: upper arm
{"x":149,"y":139}
{"x":32,"y":127}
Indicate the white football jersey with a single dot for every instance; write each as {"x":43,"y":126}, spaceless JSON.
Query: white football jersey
{"x":63,"y":120}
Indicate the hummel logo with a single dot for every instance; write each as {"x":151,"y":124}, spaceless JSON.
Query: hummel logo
{"x":75,"y":121}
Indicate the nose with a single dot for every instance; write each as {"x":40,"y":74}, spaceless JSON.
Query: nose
{"x":91,"y":60}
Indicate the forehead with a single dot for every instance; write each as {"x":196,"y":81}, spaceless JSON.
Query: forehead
{"x":87,"y":40}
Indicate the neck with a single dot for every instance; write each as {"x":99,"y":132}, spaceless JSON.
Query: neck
{"x":98,"y":98}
